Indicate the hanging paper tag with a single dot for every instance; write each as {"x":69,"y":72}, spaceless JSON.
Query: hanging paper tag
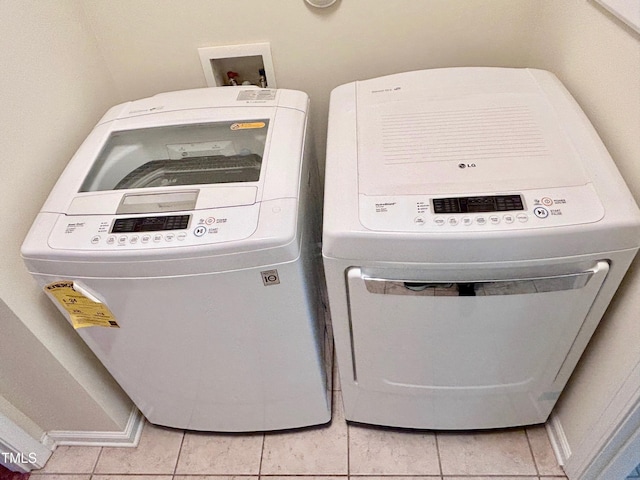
{"x":83,"y":311}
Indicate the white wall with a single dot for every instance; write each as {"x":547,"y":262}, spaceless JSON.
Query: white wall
{"x":53,"y":88}
{"x":598,"y":59}
{"x":36,"y":383}
{"x":151,"y":46}
{"x":19,"y":418}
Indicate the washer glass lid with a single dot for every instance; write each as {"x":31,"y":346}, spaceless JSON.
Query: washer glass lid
{"x":210,"y":153}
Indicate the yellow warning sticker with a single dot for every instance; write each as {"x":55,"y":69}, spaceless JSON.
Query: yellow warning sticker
{"x":83,"y":311}
{"x":244,"y":126}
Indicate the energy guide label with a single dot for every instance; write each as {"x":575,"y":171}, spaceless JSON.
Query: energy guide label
{"x":83,"y":311}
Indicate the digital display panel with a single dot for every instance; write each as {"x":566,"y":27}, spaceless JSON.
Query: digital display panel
{"x":482,"y":204}
{"x":150,"y":224}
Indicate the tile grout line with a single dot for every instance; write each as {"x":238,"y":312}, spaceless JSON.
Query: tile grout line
{"x":533,"y":455}
{"x":348,"y":441}
{"x":95,"y":464}
{"x":175,"y":467}
{"x":435,"y":434}
{"x":264,"y":438}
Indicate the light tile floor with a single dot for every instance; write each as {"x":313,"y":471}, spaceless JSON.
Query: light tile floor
{"x":332,"y":452}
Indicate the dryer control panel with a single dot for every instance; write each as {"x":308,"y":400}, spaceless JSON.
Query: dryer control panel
{"x":135,"y":232}
{"x":481,"y":204}
{"x":476,"y":213}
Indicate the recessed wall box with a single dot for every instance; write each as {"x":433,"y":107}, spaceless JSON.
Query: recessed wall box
{"x":247,"y":60}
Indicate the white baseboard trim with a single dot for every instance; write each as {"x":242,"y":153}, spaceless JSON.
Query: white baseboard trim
{"x":129,"y":437}
{"x":19,"y":451}
{"x":558,"y":439}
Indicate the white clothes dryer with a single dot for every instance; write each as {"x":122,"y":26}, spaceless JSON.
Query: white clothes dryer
{"x":182,"y":241}
{"x":475,"y":230}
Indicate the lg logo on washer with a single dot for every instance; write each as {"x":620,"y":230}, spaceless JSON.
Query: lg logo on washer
{"x":466,"y":165}
{"x":270,"y":277}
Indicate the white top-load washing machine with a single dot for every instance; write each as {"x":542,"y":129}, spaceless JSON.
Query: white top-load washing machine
{"x":186,"y":222}
{"x":475,"y":230}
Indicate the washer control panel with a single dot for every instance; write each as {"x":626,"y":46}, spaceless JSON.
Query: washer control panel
{"x":508,"y":211}
{"x":150,"y":224}
{"x":132,"y":232}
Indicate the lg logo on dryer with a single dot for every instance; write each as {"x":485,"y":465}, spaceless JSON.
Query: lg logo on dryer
{"x":466,"y":165}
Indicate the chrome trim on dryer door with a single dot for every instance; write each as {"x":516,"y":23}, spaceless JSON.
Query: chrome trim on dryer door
{"x":522,"y":286}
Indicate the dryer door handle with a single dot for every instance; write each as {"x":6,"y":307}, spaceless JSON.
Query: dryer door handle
{"x":518,"y":286}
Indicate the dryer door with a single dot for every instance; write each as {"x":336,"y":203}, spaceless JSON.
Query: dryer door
{"x":462,"y":354}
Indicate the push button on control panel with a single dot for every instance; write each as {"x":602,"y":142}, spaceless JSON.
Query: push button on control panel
{"x":541,"y":212}
{"x":200,"y":230}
